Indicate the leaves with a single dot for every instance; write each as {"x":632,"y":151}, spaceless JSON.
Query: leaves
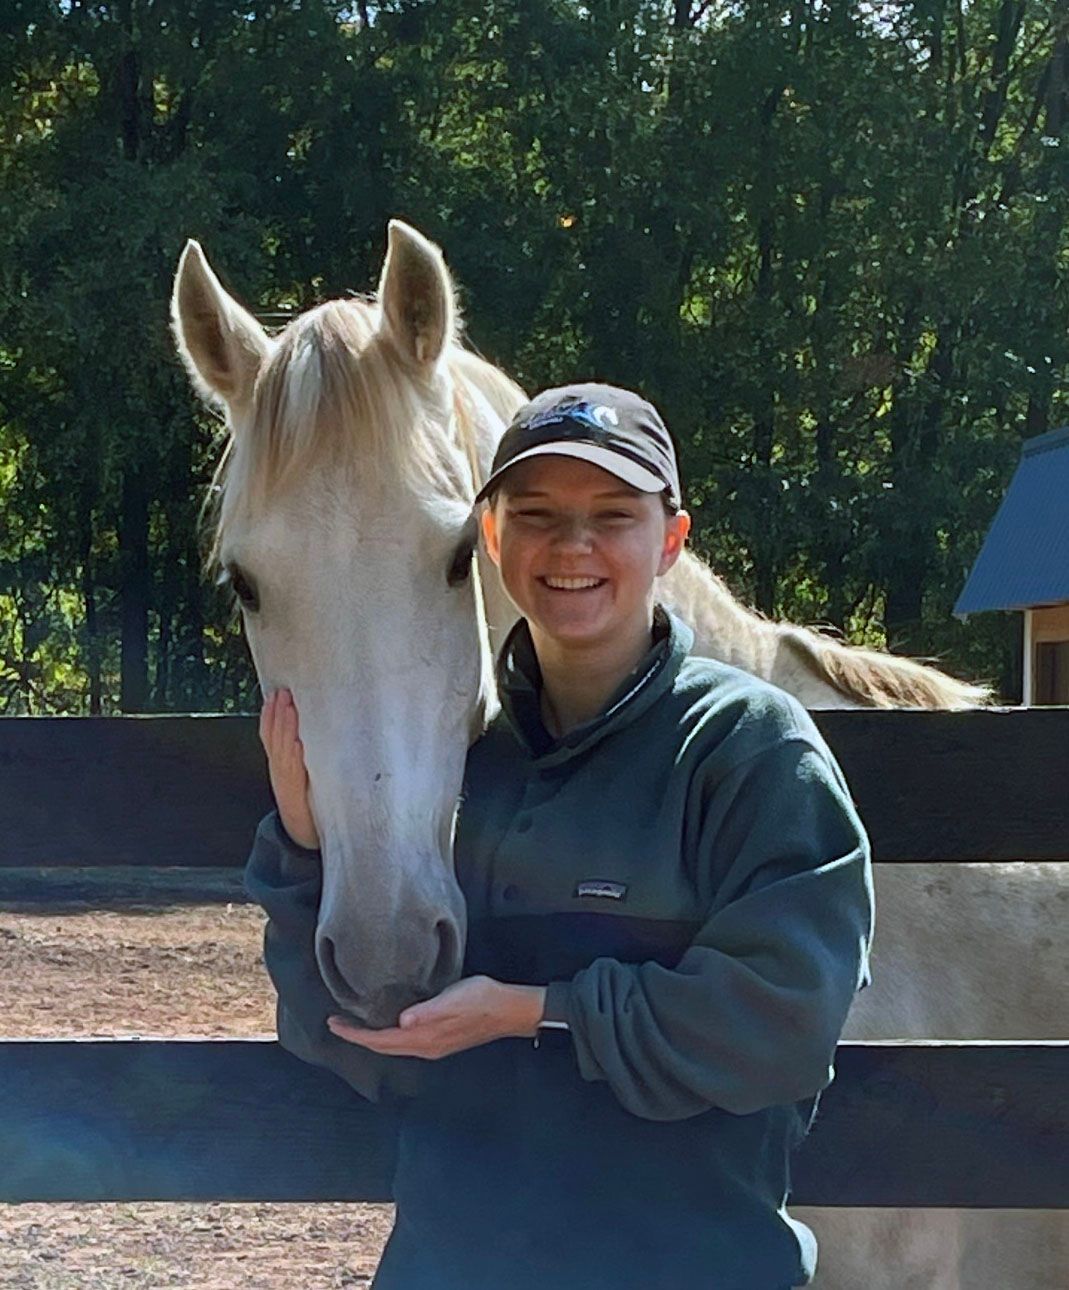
{"x":828,"y":240}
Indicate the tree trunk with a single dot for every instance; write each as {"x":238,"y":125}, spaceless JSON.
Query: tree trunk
{"x":764,"y":432}
{"x":92,"y":641}
{"x":190,"y":689}
{"x":162,"y":681}
{"x":915,"y":447}
{"x":831,"y":534}
{"x":1044,"y":250}
{"x":196,"y":695}
{"x":92,"y":633}
{"x":765,"y":545}
{"x":134,"y":590}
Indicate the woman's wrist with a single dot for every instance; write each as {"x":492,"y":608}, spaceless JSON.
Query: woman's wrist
{"x":306,"y":838}
{"x":524,"y":1006}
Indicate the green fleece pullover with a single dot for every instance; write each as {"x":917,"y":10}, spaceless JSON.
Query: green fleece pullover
{"x":688,"y":875}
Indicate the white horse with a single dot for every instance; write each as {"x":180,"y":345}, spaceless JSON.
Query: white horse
{"x":358,"y":437}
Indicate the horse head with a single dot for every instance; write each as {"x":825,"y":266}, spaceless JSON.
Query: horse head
{"x":344,"y":528}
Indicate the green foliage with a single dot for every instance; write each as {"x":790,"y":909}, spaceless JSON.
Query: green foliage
{"x":828,"y":239}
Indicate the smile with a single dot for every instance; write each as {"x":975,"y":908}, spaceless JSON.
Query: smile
{"x":573,"y":584}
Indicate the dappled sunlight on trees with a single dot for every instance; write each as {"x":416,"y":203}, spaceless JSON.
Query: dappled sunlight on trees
{"x":828,"y":239}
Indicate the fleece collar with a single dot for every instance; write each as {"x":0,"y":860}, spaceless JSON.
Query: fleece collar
{"x":519,"y":683}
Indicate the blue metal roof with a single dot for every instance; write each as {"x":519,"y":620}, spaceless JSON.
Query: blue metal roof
{"x":1024,"y":560}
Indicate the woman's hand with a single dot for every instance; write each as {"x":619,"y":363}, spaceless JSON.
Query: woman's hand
{"x":473,"y":1011}
{"x":285,"y":765}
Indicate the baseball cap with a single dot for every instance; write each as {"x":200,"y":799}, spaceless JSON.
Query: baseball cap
{"x":609,"y":427}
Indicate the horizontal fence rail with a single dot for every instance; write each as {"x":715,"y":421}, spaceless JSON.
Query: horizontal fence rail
{"x":189,"y":790}
{"x":956,"y":1124}
{"x":904,"y":1124}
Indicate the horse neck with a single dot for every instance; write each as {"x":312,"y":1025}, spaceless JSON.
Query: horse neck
{"x":723,"y":628}
{"x":726,"y":630}
{"x":819,"y":671}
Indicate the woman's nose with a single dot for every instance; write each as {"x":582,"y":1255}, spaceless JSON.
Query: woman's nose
{"x":574,"y":534}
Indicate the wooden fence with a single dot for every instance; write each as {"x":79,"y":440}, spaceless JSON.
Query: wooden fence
{"x":930,"y":1124}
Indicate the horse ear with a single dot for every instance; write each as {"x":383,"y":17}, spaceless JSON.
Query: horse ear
{"x":416,"y":295}
{"x":221,"y":343}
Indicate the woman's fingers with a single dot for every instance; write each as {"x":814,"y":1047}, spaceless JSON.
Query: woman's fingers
{"x":279,"y":728}
{"x":265,"y":713}
{"x":286,"y":768}
{"x":288,"y":726}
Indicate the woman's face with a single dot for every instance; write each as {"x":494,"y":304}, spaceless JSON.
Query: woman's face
{"x":578,"y":549}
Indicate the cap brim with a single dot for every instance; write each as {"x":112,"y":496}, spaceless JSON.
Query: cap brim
{"x":616,"y":464}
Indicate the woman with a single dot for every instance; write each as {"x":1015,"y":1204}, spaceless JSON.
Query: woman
{"x":668,"y":889}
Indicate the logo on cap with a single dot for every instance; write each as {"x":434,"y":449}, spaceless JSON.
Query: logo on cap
{"x":591,"y":414}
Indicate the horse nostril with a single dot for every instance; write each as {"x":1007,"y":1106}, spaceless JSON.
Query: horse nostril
{"x":405,"y":975}
{"x":328,"y":965}
{"x":333,"y":978}
{"x":450,"y":952}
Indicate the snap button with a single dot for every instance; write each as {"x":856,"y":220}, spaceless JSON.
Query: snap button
{"x":510,"y":892}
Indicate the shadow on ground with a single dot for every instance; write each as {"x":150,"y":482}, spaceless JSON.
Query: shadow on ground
{"x":119,"y":888}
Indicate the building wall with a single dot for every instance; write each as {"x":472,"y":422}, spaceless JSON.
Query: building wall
{"x":1051,"y":623}
{"x":1048,"y":682}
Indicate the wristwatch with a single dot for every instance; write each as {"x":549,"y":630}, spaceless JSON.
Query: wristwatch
{"x":555,"y":1011}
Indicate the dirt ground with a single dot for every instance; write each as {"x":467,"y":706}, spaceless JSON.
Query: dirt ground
{"x":121,"y":952}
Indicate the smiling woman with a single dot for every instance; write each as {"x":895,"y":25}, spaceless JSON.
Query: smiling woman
{"x":584,"y":515}
{"x":578,"y":552}
{"x":667,"y":887}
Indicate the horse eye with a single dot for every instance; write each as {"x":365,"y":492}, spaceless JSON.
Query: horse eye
{"x":241,"y":588}
{"x":460,"y":568}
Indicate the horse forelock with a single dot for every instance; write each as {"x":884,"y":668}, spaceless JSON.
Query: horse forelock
{"x":336,"y":396}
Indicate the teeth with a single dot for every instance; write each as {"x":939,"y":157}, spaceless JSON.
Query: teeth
{"x":572,"y":584}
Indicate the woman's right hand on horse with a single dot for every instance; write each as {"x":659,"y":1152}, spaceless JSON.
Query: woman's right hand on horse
{"x":279,"y":735}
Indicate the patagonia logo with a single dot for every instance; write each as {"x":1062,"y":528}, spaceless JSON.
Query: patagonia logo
{"x":601,"y":887}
